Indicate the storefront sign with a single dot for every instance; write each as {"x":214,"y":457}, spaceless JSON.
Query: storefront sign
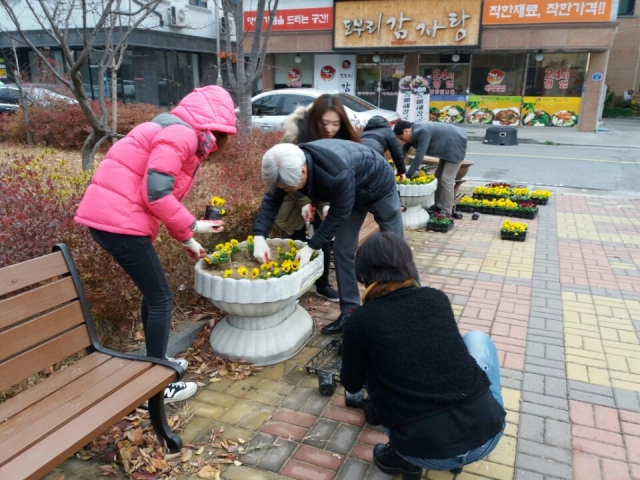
{"x":493,"y":110}
{"x":406,"y":23}
{"x":551,"y":111}
{"x":443,"y":82}
{"x":558,"y":75}
{"x":494,"y":80}
{"x":413,"y":99}
{"x":506,"y":12}
{"x":3,"y":69}
{"x":294,"y":78}
{"x":335,"y":72}
{"x":597,"y":77}
{"x":447,"y":108}
{"x":292,"y":20}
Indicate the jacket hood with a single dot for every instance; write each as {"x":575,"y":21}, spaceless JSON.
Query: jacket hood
{"x":208,"y":109}
{"x":291,"y":124}
{"x":376,"y":122}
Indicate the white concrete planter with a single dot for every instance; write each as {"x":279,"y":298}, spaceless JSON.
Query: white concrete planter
{"x":264,"y":324}
{"x":416,"y":198}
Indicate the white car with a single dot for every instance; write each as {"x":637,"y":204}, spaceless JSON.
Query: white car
{"x":270,"y":109}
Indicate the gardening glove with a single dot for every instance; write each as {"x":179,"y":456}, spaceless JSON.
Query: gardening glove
{"x":402,"y":176}
{"x":261,"y":250}
{"x":193,"y":250}
{"x":308,"y":213}
{"x":208,"y":226}
{"x":304,"y":255}
{"x":325,"y":211}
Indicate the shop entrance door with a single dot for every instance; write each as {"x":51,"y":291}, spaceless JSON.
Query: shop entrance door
{"x":378,"y":81}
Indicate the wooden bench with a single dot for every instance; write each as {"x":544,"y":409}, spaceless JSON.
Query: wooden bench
{"x":44,"y":318}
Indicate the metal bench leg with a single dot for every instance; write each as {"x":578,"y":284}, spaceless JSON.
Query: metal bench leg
{"x":160,"y":425}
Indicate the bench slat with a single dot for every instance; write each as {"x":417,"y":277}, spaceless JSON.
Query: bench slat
{"x":24,"y":305}
{"x":84,"y":427}
{"x":37,"y":392}
{"x":35,"y":432}
{"x":15,"y":277}
{"x":40,"y":329}
{"x":30,"y":414}
{"x":36,"y":359}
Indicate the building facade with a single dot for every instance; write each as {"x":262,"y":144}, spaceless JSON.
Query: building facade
{"x":507,"y":62}
{"x":624,"y":64}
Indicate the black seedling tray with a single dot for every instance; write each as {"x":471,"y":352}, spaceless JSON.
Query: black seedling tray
{"x":327,"y":360}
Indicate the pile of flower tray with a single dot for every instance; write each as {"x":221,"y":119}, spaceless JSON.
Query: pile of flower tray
{"x":524,"y":210}
{"x":439,"y":223}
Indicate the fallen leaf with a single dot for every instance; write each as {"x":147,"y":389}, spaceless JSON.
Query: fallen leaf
{"x":199,"y":451}
{"x":215,"y":379}
{"x":186,"y":455}
{"x":208,"y":471}
{"x":237,"y":463}
{"x":159,"y":463}
{"x":241,"y":440}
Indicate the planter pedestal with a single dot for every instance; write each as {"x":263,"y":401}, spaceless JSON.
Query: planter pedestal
{"x":414,"y":197}
{"x":265,"y":324}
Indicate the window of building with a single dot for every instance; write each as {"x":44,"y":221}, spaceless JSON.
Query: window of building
{"x":626,"y":8}
{"x":289,"y":73}
{"x":198,"y":3}
{"x":557,"y":75}
{"x":497,"y":74}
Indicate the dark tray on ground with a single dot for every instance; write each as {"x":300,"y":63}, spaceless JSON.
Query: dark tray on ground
{"x":326,"y":360}
{"x":540,"y":201}
{"x":439,"y":227}
{"x":521,"y":237}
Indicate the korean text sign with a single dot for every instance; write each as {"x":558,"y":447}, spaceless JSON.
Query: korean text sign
{"x":505,"y":12}
{"x":293,"y":19}
{"x":408,"y":23}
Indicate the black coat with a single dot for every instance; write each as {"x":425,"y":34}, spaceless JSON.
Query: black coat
{"x":378,"y":135}
{"x":346,"y":174}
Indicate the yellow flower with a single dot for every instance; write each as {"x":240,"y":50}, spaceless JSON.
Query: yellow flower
{"x":250,"y":239}
{"x":228,"y":273}
{"x":222,"y":211}
{"x":217,"y":201}
{"x":286,"y":268}
{"x":243,"y":272}
{"x":291,"y":243}
{"x":273,"y":264}
{"x":254,"y":273}
{"x":216,"y":255}
{"x":208,"y":260}
{"x":233,"y":242}
{"x":279,"y":249}
{"x":276,"y":271}
{"x":295,"y":265}
{"x":220,"y":246}
{"x":264,"y":266}
{"x":227,"y":246}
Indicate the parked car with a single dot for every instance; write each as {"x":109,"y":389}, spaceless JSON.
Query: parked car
{"x":10,"y":97}
{"x":271,"y":108}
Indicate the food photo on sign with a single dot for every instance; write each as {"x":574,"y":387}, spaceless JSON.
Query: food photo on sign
{"x":551,"y":111}
{"x":496,"y":110}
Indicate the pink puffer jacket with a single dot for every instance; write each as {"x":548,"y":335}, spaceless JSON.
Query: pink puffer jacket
{"x":145,"y":176}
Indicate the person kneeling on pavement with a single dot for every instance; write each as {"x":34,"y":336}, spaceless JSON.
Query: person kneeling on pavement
{"x":444,"y":141}
{"x":437,"y":393}
{"x":354,"y":179}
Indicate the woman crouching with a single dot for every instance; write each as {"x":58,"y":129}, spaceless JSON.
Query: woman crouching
{"x":437,"y":393}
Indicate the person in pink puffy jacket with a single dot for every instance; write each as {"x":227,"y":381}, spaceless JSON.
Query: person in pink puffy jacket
{"x":140,"y":184}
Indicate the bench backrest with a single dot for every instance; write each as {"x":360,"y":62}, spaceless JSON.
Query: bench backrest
{"x":43,"y":315}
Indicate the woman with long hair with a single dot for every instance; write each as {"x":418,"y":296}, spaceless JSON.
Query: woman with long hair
{"x":324,"y":118}
{"x":436,"y":392}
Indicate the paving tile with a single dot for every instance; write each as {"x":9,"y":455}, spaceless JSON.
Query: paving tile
{"x":285,"y":430}
{"x":536,"y":449}
{"x":297,"y":398}
{"x":543,"y":466}
{"x":276,"y":456}
{"x":321,"y":433}
{"x":295,"y":418}
{"x":304,"y":471}
{"x":372,"y":437}
{"x":362,"y":451}
{"x":343,"y":439}
{"x":586,"y":467}
{"x":345,"y":415}
{"x":353,"y":469}
{"x":320,"y":458}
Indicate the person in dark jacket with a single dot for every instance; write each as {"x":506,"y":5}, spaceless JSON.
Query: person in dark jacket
{"x":378,"y":135}
{"x":354,"y":179}
{"x":444,"y":141}
{"x":436,"y":392}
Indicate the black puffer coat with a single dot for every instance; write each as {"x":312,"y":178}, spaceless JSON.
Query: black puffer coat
{"x":345,"y":174}
{"x":378,"y":135}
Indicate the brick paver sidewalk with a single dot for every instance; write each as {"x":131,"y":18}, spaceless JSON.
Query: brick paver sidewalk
{"x":564,"y":311}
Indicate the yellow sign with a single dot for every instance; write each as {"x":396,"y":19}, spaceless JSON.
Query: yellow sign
{"x":493,"y":110}
{"x":407,"y":23}
{"x":447,"y":108}
{"x":551,"y":111}
{"x":508,"y":12}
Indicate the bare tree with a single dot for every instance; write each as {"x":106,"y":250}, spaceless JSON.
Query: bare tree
{"x":14,"y":64}
{"x":57,"y":19}
{"x":248,"y":64}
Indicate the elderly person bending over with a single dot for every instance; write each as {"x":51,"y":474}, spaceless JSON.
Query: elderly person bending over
{"x":354,"y":179}
{"x":436,"y":393}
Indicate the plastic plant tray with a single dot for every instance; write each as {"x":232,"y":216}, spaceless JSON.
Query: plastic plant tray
{"x":326,"y":360}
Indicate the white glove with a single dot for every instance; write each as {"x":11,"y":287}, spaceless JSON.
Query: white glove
{"x":308,"y":212}
{"x":193,"y":250}
{"x":261,"y":250}
{"x":325,"y":211}
{"x":209,"y":226}
{"x":304,"y":255}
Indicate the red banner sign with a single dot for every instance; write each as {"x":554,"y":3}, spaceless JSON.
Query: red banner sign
{"x":294,"y":19}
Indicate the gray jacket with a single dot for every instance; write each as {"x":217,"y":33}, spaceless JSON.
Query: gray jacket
{"x":442,"y":140}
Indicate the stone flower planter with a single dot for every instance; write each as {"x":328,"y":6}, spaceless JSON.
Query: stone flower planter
{"x":414,"y":197}
{"x":264,"y":324}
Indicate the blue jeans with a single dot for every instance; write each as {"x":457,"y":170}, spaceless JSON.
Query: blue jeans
{"x":139,"y":259}
{"x":483,"y":350}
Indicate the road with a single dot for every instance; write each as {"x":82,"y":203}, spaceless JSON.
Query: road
{"x":609,"y":169}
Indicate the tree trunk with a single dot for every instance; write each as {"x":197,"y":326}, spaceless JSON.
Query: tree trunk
{"x":88,"y":150}
{"x":243,"y":92}
{"x":114,"y":102}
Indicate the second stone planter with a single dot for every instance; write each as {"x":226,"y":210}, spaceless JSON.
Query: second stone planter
{"x":414,"y":197}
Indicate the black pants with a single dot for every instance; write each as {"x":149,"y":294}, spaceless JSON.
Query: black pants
{"x":301,"y":235}
{"x":139,"y":259}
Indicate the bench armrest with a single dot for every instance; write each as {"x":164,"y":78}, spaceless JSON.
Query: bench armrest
{"x":132,"y":356}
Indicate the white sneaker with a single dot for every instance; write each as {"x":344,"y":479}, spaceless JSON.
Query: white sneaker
{"x":179,"y":391}
{"x":180,"y":361}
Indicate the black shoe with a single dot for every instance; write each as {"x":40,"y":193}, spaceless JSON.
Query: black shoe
{"x":388,"y":461}
{"x":456,"y":471}
{"x":335,"y":327}
{"x":456,"y":215}
{"x":325,"y":291}
{"x":433,"y":209}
